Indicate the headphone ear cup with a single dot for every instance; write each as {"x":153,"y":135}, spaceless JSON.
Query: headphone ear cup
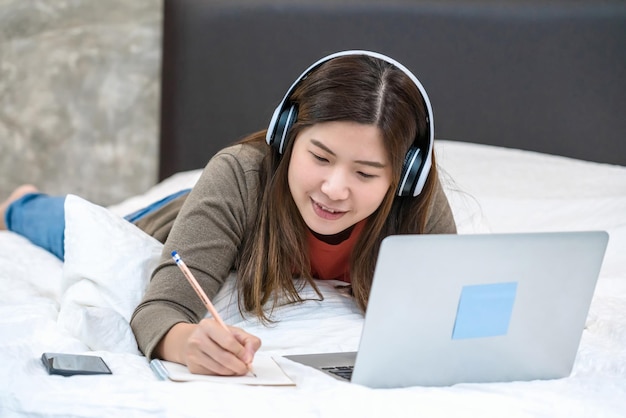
{"x":410,"y":172}
{"x":284,"y":123}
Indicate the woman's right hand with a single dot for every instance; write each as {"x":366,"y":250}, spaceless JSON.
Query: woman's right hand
{"x":208,"y":348}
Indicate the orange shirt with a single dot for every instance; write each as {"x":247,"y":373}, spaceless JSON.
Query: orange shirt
{"x":332,"y":262}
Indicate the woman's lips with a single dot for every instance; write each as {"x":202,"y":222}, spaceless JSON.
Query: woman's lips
{"x":326,"y":212}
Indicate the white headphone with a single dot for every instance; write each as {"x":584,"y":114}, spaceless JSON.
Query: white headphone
{"x":418,"y":159}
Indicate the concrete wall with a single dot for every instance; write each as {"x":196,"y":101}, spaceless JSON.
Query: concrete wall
{"x":79,"y":93}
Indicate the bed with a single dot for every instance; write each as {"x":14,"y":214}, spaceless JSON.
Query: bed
{"x":507,"y":176}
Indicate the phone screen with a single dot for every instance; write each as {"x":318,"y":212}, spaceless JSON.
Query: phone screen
{"x":71,"y":364}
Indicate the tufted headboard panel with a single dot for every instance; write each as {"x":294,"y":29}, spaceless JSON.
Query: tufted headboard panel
{"x":546,"y":76}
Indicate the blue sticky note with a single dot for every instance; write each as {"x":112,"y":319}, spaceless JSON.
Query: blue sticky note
{"x":484,"y":310}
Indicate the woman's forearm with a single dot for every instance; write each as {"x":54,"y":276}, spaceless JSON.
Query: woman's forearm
{"x":171,"y":346}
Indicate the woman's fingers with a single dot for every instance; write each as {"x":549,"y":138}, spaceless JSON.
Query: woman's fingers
{"x":249,"y":343}
{"x":211,"y":349}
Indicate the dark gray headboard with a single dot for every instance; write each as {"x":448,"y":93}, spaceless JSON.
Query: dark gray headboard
{"x":547,"y":76}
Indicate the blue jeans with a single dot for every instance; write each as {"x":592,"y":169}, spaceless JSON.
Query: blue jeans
{"x":41,"y":218}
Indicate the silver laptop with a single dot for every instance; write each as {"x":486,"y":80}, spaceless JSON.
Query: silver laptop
{"x":447,"y":309}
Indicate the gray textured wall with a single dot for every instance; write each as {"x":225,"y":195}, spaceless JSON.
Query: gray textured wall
{"x":79,"y":91}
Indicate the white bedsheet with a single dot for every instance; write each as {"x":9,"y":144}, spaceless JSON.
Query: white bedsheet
{"x":81,"y":306}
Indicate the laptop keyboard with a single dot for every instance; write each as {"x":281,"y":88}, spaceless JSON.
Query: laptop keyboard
{"x":344,"y":372}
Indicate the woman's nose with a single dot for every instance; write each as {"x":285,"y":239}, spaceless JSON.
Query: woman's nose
{"x":335,"y":185}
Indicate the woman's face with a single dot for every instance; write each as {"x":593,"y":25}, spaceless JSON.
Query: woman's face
{"x":339,"y":173}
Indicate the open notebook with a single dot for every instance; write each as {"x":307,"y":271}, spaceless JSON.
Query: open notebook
{"x":267,"y":371}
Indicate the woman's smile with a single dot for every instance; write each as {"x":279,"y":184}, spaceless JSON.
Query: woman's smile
{"x":326,"y":212}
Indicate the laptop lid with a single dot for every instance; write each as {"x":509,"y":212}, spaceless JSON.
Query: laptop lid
{"x":447,"y":309}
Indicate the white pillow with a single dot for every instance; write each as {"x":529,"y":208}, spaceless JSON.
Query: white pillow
{"x":108,"y":263}
{"x":467,"y":210}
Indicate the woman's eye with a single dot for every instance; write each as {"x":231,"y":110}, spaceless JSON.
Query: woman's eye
{"x":365,"y":175}
{"x":319,"y":158}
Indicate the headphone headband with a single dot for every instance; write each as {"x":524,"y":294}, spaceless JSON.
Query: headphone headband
{"x":284,"y":116}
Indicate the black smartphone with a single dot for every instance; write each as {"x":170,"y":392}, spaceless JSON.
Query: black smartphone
{"x":72,"y":364}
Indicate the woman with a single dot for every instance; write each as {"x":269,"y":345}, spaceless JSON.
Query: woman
{"x":350,"y":161}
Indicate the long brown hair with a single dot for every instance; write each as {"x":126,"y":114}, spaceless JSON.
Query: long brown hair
{"x":355,"y":88}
